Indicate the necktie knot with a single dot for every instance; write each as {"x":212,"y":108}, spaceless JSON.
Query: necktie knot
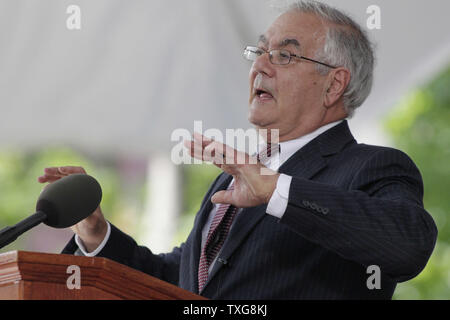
{"x":268,"y":151}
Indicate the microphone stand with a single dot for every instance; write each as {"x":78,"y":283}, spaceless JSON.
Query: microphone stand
{"x":9,"y":234}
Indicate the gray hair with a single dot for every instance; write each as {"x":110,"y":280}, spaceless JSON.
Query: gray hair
{"x":347,"y":45}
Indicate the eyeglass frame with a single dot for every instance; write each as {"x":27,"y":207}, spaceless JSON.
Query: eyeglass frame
{"x":290,"y":56}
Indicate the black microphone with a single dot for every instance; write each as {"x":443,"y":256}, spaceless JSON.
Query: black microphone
{"x":61,"y":204}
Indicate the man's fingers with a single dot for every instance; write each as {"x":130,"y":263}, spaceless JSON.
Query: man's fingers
{"x":52,"y":171}
{"x":65,"y":170}
{"x":195,"y":150}
{"x":214,"y":152}
{"x":52,"y":174}
{"x":201,"y":139}
{"x":204,"y":151}
{"x":46,"y":178}
{"x":71,"y":170}
{"x":224,"y":196}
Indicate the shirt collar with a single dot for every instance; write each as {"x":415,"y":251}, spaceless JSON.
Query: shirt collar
{"x":288,"y":148}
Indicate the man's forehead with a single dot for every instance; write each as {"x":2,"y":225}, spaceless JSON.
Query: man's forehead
{"x":304,"y":28}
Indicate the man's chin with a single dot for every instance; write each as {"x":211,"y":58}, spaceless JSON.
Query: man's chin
{"x":258,"y":122}
{"x":262,"y":115}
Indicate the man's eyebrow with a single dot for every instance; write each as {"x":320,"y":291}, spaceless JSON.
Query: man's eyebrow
{"x":287,"y":42}
{"x":283,"y":43}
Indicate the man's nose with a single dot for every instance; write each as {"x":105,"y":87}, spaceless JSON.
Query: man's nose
{"x":263,"y":65}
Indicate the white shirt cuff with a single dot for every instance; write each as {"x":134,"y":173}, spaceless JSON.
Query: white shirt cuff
{"x":278,"y":202}
{"x":80,"y":244}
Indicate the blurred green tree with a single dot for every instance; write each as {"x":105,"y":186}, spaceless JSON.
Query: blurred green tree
{"x":420,"y":126}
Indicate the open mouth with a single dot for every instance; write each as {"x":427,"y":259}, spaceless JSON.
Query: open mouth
{"x":263,"y":94}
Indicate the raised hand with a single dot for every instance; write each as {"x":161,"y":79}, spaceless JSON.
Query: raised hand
{"x":251,"y":188}
{"x":91,"y":230}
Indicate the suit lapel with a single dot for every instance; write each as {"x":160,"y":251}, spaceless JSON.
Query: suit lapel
{"x":305,"y":163}
{"x":312,"y":158}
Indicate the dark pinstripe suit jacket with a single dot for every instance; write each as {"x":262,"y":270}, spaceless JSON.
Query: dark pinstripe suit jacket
{"x":350,"y":206}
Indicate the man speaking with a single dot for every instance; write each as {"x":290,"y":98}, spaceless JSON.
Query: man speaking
{"x":332,"y":209}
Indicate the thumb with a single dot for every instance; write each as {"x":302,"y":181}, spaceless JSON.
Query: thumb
{"x":223,"y":196}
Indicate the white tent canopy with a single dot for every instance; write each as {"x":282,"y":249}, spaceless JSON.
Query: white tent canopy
{"x":137,"y":70}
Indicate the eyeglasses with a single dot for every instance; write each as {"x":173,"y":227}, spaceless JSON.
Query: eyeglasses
{"x":280,"y":57}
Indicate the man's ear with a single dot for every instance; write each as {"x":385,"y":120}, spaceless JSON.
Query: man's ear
{"x":339,"y":80}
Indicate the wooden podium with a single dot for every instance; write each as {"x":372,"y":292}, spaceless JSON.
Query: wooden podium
{"x":44,"y":276}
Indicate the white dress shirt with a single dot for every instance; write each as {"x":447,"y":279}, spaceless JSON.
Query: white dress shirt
{"x":277,"y":204}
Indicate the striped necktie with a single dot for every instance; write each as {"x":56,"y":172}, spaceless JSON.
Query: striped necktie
{"x":218,"y":231}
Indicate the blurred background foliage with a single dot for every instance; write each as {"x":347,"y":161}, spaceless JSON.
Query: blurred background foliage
{"x":420,"y":126}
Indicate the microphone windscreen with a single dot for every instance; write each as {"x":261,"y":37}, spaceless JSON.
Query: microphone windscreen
{"x":69,"y":200}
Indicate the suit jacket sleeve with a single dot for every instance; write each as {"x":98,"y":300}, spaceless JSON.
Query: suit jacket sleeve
{"x":121,"y":248}
{"x":379,"y":220}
